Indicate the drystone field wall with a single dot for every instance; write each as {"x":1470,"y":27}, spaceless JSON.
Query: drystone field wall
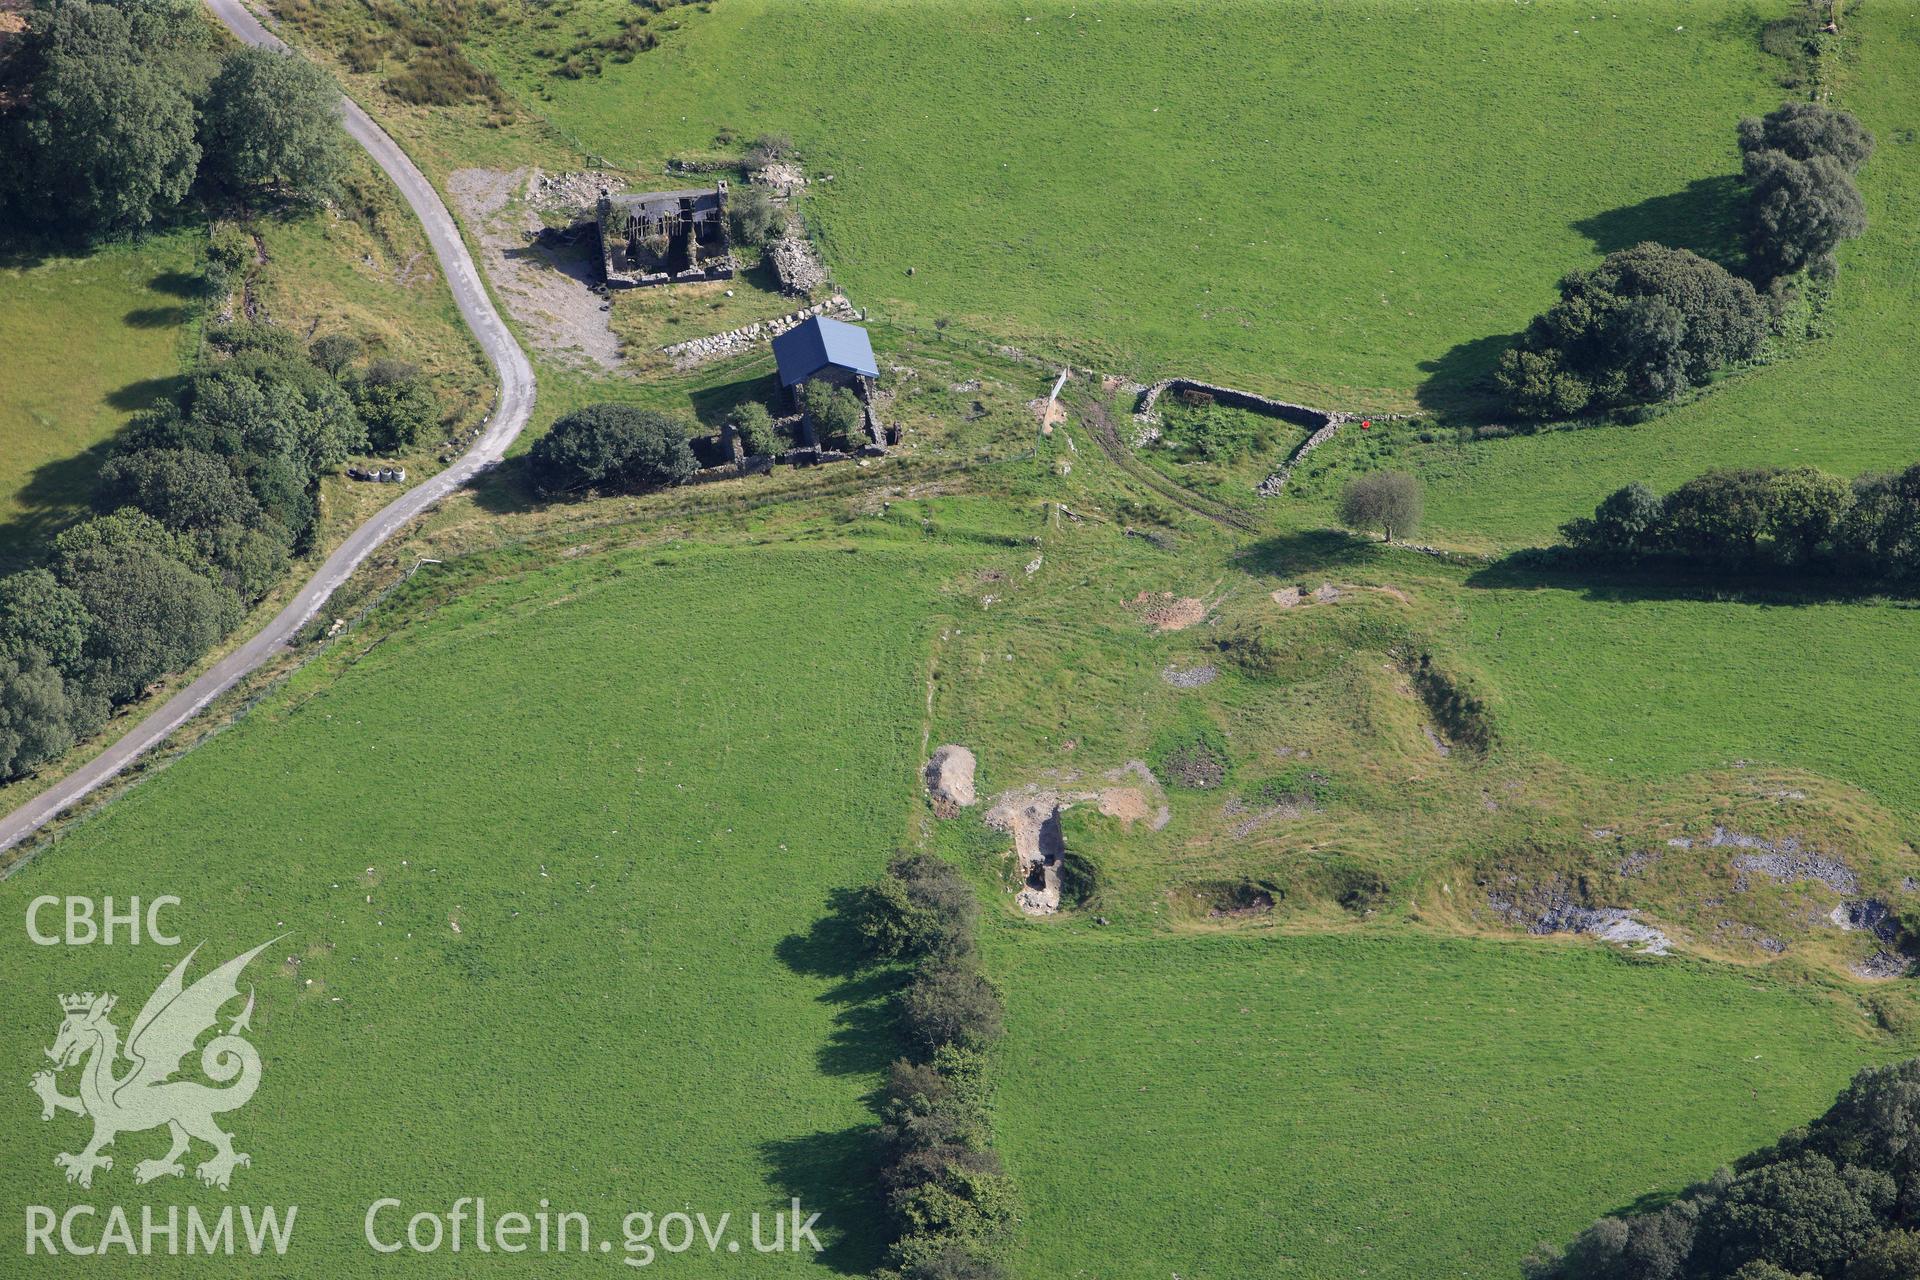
{"x":698,"y":351}
{"x":1298,"y":414}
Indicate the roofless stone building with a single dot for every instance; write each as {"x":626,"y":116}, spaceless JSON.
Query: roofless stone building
{"x":665,"y":237}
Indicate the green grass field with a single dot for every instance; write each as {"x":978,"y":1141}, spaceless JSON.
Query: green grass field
{"x":87,"y":342}
{"x":1390,"y":1107}
{"x":1662,"y":684}
{"x":632,"y":786}
{"x":1342,"y":201}
{"x":633,"y":782}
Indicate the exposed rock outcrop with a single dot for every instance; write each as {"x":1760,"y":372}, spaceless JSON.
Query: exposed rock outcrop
{"x":950,"y":780}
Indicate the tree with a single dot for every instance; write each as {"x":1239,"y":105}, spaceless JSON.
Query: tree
{"x":128,"y":529}
{"x":752,"y":215}
{"x":767,"y":149}
{"x":273,"y":119}
{"x":1891,"y":1255}
{"x":395,"y":403}
{"x":1537,"y":385}
{"x":1804,"y":130}
{"x":1649,"y":1246}
{"x":1644,"y":326}
{"x":245,"y":559}
{"x":1388,"y":501}
{"x":1881,"y":529}
{"x":921,"y":907}
{"x":950,"y":1003}
{"x":40,"y":619}
{"x":38,"y":720}
{"x":755,"y":427}
{"x":1799,"y":211}
{"x":334,"y":352}
{"x":181,"y":488}
{"x":275,"y":416}
{"x":1627,"y":522}
{"x":1721,"y":515}
{"x":1762,"y":1270}
{"x":1802,"y":1214}
{"x":151,"y":615}
{"x":1804,"y":509}
{"x":105,"y":144}
{"x":611,"y":448}
{"x":1875,"y":1122}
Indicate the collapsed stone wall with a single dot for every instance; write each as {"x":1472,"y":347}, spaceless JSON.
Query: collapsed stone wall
{"x":1273,"y":484}
{"x":795,"y":264}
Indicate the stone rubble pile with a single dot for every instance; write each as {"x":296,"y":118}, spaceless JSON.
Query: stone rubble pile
{"x":698,"y":351}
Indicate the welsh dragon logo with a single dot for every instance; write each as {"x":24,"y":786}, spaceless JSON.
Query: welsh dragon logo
{"x":147,"y":1095}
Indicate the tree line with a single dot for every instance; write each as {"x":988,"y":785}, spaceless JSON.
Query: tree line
{"x":1795,"y":518}
{"x":1651,"y":322}
{"x":201,"y":506}
{"x":951,"y":1201}
{"x":122,"y":109}
{"x":1836,"y":1200}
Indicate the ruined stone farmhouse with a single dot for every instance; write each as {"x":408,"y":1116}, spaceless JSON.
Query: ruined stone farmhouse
{"x":665,"y":237}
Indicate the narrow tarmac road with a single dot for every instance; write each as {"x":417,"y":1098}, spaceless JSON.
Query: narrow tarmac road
{"x":509,"y":416}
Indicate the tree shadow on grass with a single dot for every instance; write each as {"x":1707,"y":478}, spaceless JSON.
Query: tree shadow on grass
{"x":712,"y":405}
{"x":836,"y":1174}
{"x":1457,"y":388}
{"x":178,"y":284}
{"x":1560,"y":569}
{"x":1307,"y":552}
{"x":53,"y":497}
{"x":1705,"y":217}
{"x":155,"y":317}
{"x":505,"y":489}
{"x":147,"y":392}
{"x":866,"y":1034}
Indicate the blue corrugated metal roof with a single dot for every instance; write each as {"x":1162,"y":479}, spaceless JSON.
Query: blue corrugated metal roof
{"x":817,"y":342}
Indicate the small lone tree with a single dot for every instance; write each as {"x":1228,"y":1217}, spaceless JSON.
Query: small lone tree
{"x":1388,"y":501}
{"x":334,"y":352}
{"x":839,"y":419}
{"x":755,"y":427}
{"x":767,"y":149}
{"x":751,"y":216}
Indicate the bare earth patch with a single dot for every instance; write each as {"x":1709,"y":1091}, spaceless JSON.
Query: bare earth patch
{"x":545,"y":280}
{"x":1164,"y":611}
{"x":949,"y":776}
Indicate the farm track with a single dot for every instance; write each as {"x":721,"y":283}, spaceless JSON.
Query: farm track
{"x":1099,"y":420}
{"x":510,"y":414}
